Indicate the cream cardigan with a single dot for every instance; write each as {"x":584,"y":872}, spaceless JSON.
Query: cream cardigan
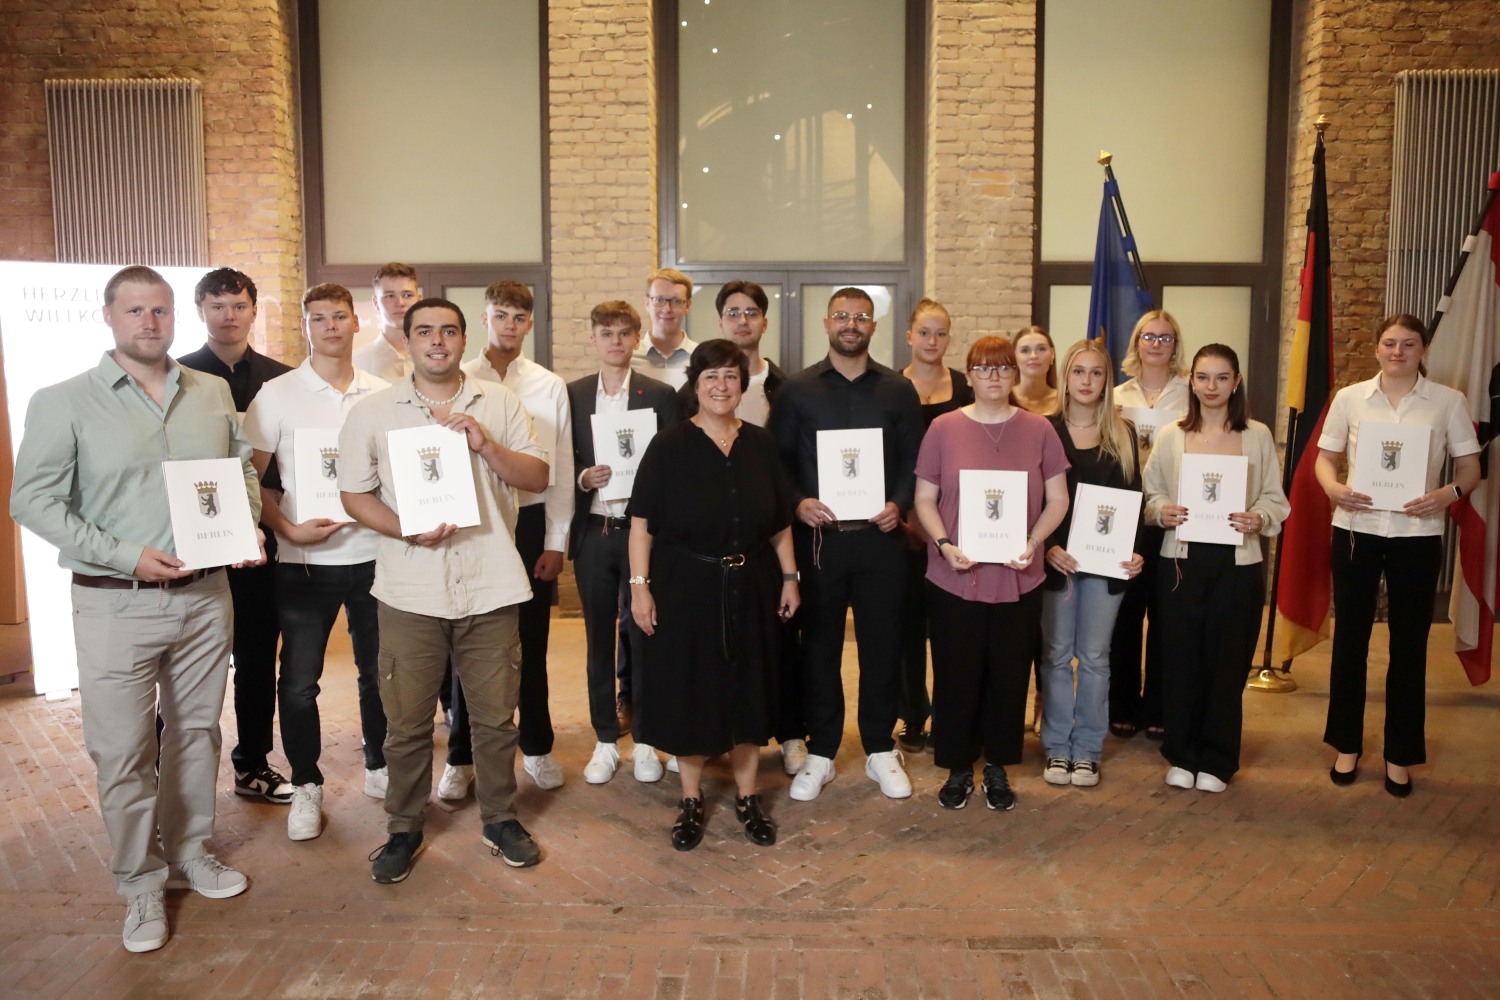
{"x":1263,"y":486}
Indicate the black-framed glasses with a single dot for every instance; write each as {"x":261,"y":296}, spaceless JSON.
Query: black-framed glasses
{"x":993,"y":371}
{"x":663,"y":300}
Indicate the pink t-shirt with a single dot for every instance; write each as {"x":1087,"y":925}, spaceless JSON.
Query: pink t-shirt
{"x":956,"y":441}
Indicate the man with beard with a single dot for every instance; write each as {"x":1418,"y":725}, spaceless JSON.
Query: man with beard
{"x":858,"y":564}
{"x":448,"y":591}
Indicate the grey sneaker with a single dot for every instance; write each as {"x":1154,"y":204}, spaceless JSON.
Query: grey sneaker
{"x":145,"y":921}
{"x":207,"y":877}
{"x":512,"y":843}
{"x":391,"y":862}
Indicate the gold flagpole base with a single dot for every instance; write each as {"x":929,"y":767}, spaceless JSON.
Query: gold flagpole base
{"x":1271,"y":681}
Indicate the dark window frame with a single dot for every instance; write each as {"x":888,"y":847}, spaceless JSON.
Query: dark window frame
{"x":905,"y":276}
{"x":1264,"y":279}
{"x":436,"y":276}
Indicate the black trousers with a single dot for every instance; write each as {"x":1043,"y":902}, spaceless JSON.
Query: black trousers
{"x":602,"y":567}
{"x":1134,"y":685}
{"x":981,"y":666}
{"x":256,"y":631}
{"x":1411,"y":567}
{"x":1210,"y":619}
{"x":913,"y":703}
{"x":309,"y":598}
{"x":865,"y":570}
{"x":535,"y":627}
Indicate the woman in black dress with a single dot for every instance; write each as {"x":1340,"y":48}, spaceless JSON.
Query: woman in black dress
{"x":712,"y":571}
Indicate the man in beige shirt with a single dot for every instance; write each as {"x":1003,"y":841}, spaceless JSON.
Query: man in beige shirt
{"x":449,"y":590}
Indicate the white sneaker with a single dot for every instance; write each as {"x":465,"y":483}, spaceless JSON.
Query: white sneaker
{"x":647,"y":764}
{"x":1179,"y":777}
{"x":1208,"y":783}
{"x":305,"y":821}
{"x":672,"y":765}
{"x":793,"y":755}
{"x":815,"y":773}
{"x":377,"y":780}
{"x":601,"y":766}
{"x":455,"y":782}
{"x":145,"y":921}
{"x":544,"y":770}
{"x":885,"y":770}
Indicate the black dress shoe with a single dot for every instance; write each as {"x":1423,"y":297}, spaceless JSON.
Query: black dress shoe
{"x":687,"y":832}
{"x":758,"y":827}
{"x":1398,"y":788}
{"x":1344,"y":777}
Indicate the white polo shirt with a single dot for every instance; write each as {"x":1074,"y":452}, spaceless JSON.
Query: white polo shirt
{"x":301,"y":399}
{"x":545,"y":397}
{"x":380,"y":359}
{"x":1438,"y":407}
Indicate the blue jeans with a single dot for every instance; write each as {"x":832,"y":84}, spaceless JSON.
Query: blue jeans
{"x":308,"y":599}
{"x":1077,"y":621}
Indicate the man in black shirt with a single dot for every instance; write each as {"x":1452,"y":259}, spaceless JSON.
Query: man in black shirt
{"x":226,"y":304}
{"x":850,"y":563}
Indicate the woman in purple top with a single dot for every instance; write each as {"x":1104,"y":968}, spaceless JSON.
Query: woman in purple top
{"x":978,"y":610}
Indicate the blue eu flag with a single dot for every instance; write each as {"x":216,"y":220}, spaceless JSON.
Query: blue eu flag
{"x":1116,"y":301}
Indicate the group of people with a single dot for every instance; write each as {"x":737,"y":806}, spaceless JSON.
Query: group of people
{"x":714,"y":571}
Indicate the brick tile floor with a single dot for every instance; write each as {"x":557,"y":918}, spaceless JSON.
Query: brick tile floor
{"x":1284,"y":886}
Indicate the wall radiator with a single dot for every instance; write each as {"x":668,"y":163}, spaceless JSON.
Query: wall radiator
{"x":128,"y":183}
{"x":1447,"y":143}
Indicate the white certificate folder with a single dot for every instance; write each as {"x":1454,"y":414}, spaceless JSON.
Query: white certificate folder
{"x":1212,"y":487}
{"x":851,"y":472}
{"x":1390,"y":463}
{"x":1102,"y":533}
{"x":315,"y":494}
{"x":433,"y":476}
{"x":210,"y":510}
{"x":620,"y":439}
{"x":991,"y":515}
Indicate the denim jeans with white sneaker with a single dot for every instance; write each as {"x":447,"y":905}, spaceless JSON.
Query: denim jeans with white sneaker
{"x":1077,"y":621}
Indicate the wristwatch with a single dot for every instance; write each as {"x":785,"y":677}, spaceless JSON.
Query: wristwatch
{"x":945,"y":540}
{"x":638,"y":581}
{"x":792,"y":577}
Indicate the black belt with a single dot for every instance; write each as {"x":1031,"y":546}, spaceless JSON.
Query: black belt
{"x":610,"y":522}
{"x":116,"y":583}
{"x":727,"y":564}
{"x":849,"y":525}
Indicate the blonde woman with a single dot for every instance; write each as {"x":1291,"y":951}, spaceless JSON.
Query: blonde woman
{"x":1158,"y":381}
{"x":942,"y":390}
{"x":1078,"y":609}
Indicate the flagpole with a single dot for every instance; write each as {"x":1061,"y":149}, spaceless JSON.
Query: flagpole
{"x":1269,"y":679}
{"x":1114,"y":197}
{"x":1458,"y":269}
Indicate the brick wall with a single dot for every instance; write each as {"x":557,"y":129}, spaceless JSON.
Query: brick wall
{"x":242,"y":52}
{"x":602,"y":101}
{"x":1345,"y":64}
{"x":981,"y":185}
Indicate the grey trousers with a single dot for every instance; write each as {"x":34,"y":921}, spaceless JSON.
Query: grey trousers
{"x":414,"y":653}
{"x":139,"y":652}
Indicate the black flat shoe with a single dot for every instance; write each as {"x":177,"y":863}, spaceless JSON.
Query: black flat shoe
{"x":758,"y":827}
{"x":1157,"y":733}
{"x":1344,"y":777}
{"x":1398,"y":788}
{"x":1124,"y":730}
{"x":687,"y":832}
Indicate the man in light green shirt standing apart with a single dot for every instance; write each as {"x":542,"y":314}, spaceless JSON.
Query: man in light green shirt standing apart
{"x":151,"y":636}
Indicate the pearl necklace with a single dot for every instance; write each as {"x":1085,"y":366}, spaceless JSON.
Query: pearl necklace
{"x":439,"y":402}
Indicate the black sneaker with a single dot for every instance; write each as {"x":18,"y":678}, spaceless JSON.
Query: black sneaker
{"x":956,"y":790}
{"x":263,"y":783}
{"x":510,"y":841}
{"x":392,"y":861}
{"x":997,"y":793}
{"x":911,"y":739}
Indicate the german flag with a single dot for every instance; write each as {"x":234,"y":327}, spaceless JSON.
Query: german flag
{"x":1304,"y":584}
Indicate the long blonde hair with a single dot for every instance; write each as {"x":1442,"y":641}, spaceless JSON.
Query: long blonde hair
{"x":1114,"y":432}
{"x":1132,"y":364}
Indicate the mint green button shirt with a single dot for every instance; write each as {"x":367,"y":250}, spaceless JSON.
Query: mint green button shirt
{"x":88,"y":473}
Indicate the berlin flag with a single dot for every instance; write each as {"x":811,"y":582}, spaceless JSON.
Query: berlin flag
{"x":1465,"y":355}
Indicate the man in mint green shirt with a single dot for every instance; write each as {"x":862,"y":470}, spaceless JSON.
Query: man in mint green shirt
{"x":151,"y":636}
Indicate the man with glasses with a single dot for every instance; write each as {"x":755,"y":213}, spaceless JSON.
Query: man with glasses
{"x":858,"y":564}
{"x":669,"y":296}
{"x":396,"y":289}
{"x":742,"y":318}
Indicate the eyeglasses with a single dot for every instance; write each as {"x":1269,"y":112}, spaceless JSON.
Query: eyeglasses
{"x":844,"y":317}
{"x":992,"y":371}
{"x":662,"y":300}
{"x":1159,"y":338}
{"x":750,"y":314}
